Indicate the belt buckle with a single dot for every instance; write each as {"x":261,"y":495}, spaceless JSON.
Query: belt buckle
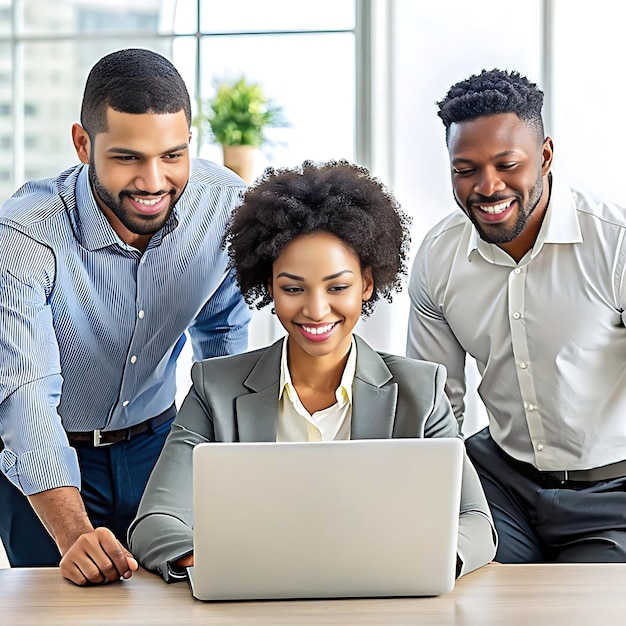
{"x":97,"y":440}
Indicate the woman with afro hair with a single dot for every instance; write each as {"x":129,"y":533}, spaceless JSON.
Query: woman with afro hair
{"x":321,"y":243}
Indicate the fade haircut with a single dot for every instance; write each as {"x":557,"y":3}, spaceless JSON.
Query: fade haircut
{"x":492,"y":92}
{"x":334,"y":197}
{"x":133,"y":80}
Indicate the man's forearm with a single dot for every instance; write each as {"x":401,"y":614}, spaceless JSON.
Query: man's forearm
{"x":63,"y":514}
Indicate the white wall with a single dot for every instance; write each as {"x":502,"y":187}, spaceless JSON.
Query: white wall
{"x":588,"y":95}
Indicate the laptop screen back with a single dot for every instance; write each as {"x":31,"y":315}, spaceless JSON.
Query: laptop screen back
{"x":366,"y":518}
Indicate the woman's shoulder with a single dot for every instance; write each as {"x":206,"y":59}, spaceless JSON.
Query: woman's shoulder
{"x":405,"y":362}
{"x":227,"y":364}
{"x":414,"y":373}
{"x":400,"y":365}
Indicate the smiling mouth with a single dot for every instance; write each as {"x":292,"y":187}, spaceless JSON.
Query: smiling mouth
{"x":318,"y":330}
{"x":149,"y":206}
{"x":146,"y":201}
{"x":494,"y":209}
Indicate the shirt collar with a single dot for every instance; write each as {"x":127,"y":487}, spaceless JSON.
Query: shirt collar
{"x":560,"y":225}
{"x":343,"y":392}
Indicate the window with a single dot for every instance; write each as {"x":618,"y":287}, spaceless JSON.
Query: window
{"x":306,"y":62}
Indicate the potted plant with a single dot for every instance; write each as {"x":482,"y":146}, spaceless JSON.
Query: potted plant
{"x":236,"y":117}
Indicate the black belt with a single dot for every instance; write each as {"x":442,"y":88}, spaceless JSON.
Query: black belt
{"x":567,"y":478}
{"x":98,"y":438}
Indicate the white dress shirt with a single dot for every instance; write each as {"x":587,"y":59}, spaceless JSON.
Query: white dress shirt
{"x":295,"y":423}
{"x":547,"y":333}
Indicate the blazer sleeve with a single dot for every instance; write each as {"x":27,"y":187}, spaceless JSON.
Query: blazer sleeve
{"x":477,"y":539}
{"x":162,"y":531}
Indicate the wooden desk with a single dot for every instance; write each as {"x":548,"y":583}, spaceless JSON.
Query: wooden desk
{"x":509,"y":595}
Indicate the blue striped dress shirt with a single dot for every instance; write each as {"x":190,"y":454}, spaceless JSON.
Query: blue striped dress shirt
{"x":90,"y":328}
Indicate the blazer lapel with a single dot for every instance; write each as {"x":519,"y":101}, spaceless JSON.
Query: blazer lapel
{"x":374,"y":400}
{"x":257,"y":412}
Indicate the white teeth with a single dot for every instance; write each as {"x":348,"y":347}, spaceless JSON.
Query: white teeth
{"x":147,"y":202}
{"x":317,"y":330}
{"x":496,"y":208}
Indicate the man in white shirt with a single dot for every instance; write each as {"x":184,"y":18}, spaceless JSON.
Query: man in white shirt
{"x":529,"y":281}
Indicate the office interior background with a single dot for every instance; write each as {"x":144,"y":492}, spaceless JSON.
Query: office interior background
{"x":357,"y":79}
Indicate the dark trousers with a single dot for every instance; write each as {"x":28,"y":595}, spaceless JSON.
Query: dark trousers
{"x":113,"y":480}
{"x":585,"y":523}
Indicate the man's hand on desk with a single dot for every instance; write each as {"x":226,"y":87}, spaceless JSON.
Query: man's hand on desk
{"x":89,"y":555}
{"x":97,"y":557}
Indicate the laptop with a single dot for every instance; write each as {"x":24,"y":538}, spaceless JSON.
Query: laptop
{"x":341,"y":519}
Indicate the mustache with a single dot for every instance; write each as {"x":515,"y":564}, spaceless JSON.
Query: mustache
{"x":145,"y":194}
{"x":496,"y":198}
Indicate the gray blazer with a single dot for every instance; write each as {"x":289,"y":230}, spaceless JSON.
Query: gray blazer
{"x":235,"y":398}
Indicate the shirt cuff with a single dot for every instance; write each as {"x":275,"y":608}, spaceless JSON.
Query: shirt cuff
{"x":41,"y":470}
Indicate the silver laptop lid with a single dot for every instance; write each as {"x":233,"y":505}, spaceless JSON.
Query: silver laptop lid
{"x":365,"y":518}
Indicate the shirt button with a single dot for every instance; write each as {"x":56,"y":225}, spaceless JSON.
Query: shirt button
{"x":141,"y":314}
{"x":517,"y":270}
{"x":523,"y":365}
{"x":540,"y":447}
{"x":530,"y":407}
{"x":133,"y":359}
{"x":516,"y":315}
{"x":125,"y":403}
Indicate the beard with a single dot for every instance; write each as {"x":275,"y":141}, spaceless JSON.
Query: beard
{"x":137,"y":224}
{"x":500,"y":233}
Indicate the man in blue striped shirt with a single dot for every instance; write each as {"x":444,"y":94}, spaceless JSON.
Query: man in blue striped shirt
{"x":102,"y":270}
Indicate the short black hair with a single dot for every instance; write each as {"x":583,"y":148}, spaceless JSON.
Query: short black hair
{"x":133,"y":80}
{"x":336,"y":197}
{"x":492,"y":92}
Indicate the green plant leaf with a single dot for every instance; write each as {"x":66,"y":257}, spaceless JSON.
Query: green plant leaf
{"x":238,"y":114}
